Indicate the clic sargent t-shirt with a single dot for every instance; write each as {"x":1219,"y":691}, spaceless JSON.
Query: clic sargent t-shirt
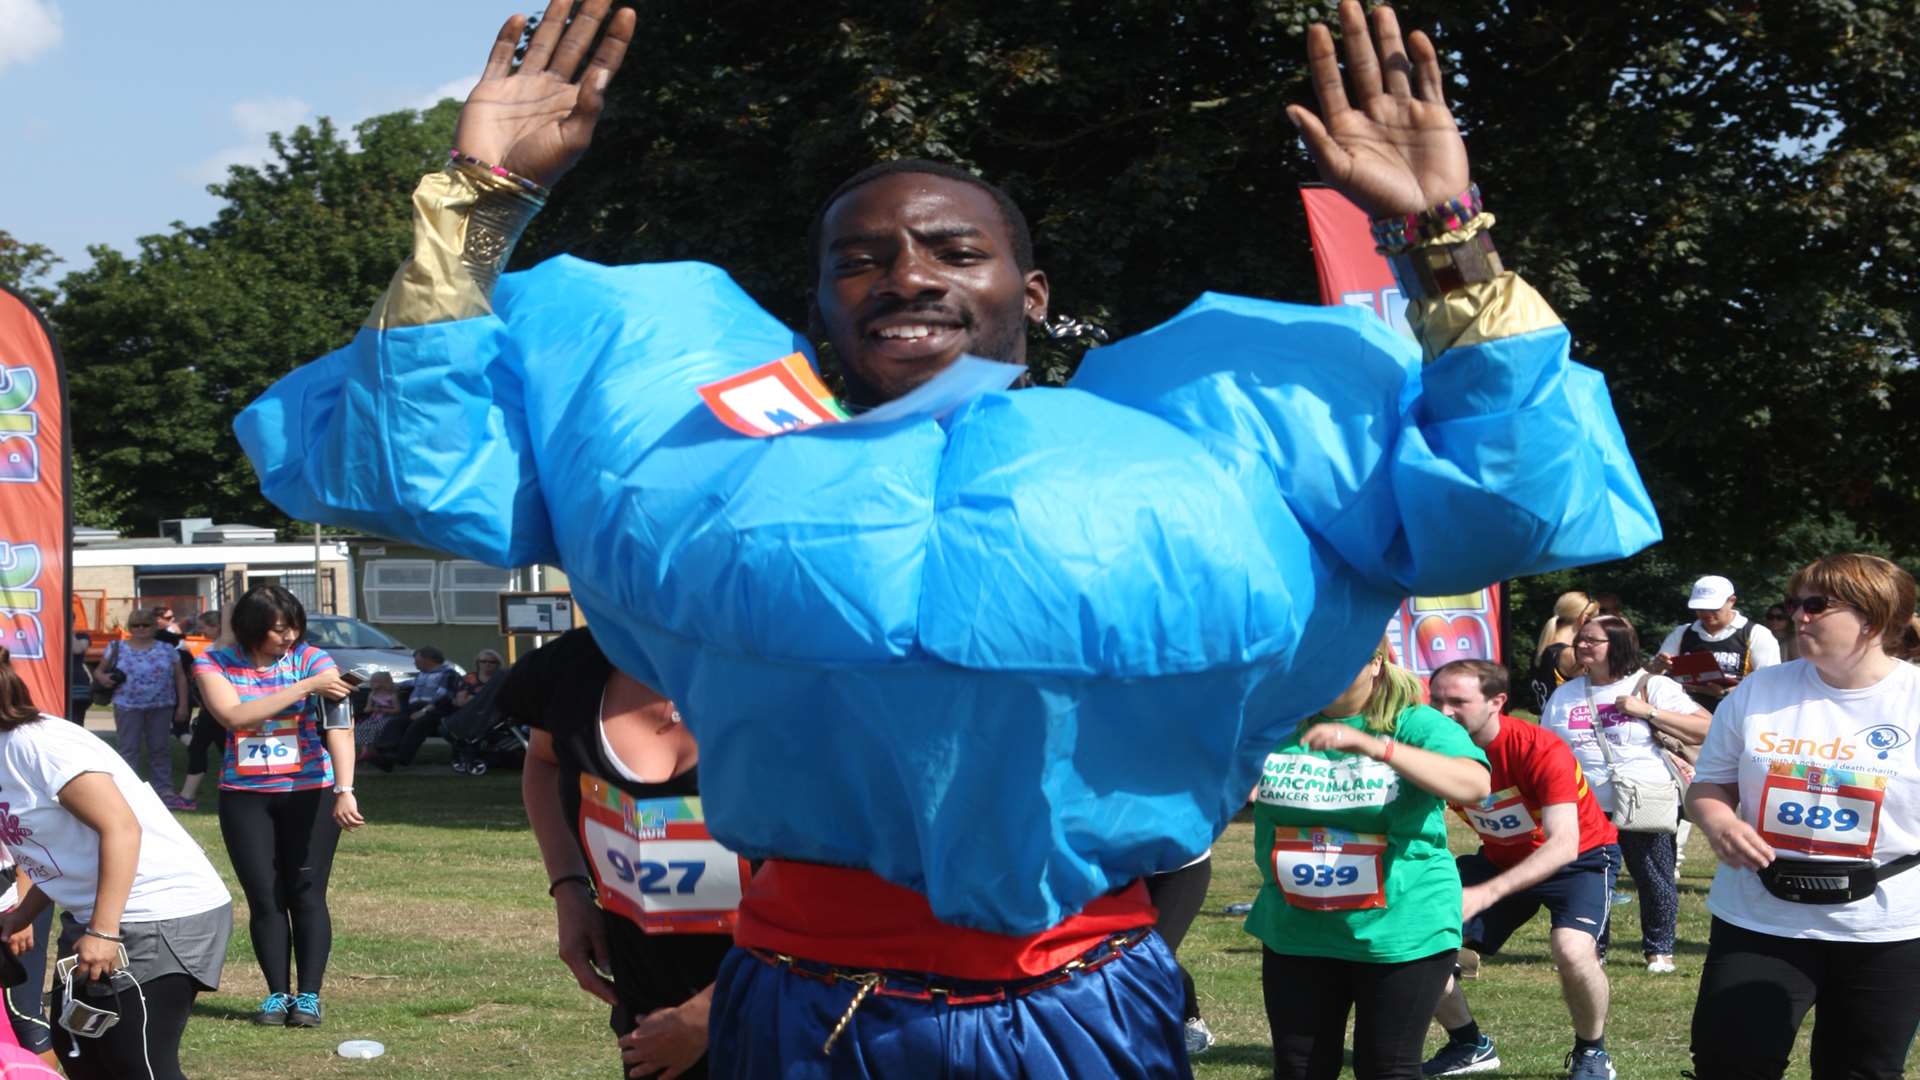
{"x":61,"y":855}
{"x":1823,"y":774}
{"x":1631,"y":741}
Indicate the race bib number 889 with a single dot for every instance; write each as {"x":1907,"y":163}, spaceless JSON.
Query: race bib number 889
{"x":1813,"y":811}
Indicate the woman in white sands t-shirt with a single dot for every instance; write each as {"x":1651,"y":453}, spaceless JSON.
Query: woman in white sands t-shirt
{"x":1809,"y":789}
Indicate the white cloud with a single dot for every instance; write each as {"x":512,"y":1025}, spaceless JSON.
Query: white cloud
{"x":31,"y":28}
{"x":256,"y":120}
{"x":457,"y":89}
{"x":270,"y":115}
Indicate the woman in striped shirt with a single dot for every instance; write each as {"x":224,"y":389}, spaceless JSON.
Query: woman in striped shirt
{"x":286,"y":790}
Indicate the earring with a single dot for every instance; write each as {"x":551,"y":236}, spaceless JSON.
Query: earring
{"x":1068,"y":328}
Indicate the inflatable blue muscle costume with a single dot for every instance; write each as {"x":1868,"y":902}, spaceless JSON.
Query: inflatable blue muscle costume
{"x":1011,"y":658}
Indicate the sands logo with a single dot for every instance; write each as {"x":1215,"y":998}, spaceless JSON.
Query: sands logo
{"x":1884,"y":738}
{"x":1772,"y":742}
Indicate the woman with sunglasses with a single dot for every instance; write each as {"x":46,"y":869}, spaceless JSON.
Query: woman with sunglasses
{"x":1808,"y":788}
{"x":286,"y":790}
{"x":152,"y":698}
{"x":1359,"y":906}
{"x":143,"y":913}
{"x":1615,"y":699}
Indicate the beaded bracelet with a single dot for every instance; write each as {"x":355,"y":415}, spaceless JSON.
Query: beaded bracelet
{"x":1403,"y":232}
{"x":537,"y":190}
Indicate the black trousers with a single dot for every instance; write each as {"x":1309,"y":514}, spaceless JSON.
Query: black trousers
{"x":144,"y":1045}
{"x":400,"y":741}
{"x":1756,"y":989}
{"x":282,"y":847}
{"x":1308,"y":999}
{"x":1179,"y":895}
{"x":207,"y":734}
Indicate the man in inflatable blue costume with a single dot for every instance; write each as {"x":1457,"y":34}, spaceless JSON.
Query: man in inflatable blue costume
{"x":963,"y":680}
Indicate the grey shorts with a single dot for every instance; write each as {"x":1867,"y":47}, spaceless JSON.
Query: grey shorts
{"x":194,"y":946}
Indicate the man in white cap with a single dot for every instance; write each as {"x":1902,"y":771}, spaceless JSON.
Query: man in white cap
{"x":1737,"y":644}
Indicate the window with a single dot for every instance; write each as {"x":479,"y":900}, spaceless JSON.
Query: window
{"x":470,"y":592}
{"x":400,"y":591}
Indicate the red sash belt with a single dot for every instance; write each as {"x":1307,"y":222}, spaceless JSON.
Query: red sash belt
{"x":854,"y":919}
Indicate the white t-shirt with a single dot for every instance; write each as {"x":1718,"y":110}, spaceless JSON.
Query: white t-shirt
{"x":1823,"y":773}
{"x":1630,"y":740}
{"x":1763,"y":649}
{"x":173,"y":878}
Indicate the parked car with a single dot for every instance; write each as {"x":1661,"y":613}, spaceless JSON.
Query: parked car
{"x":357,"y":647}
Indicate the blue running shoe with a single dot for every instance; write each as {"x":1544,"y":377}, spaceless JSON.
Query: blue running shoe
{"x":273,"y":1011}
{"x":305,"y":1011}
{"x":1589,"y":1065}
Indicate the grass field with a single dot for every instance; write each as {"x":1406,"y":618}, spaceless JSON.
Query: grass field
{"x":443,"y":951}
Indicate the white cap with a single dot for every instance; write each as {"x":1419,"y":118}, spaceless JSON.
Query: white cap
{"x":1711,"y":593}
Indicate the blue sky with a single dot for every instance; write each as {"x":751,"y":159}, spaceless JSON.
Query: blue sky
{"x":120,"y":112}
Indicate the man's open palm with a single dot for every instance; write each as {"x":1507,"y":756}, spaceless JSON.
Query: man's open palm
{"x":536,"y":121}
{"x":1383,"y":136}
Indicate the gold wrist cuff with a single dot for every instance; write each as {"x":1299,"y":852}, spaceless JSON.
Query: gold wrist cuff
{"x":465,"y":224}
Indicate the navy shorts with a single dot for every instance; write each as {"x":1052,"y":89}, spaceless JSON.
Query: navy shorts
{"x":1578,"y":897}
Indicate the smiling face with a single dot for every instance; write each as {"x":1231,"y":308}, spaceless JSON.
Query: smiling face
{"x":915,"y":270}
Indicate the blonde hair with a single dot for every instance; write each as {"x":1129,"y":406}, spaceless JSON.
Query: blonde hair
{"x":1393,"y":692}
{"x":380,"y":679}
{"x":1570,"y":608}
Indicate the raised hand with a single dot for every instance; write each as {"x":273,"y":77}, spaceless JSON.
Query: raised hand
{"x":537,"y":121}
{"x":1394,"y":148}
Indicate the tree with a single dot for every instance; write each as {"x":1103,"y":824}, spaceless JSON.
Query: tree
{"x":1718,"y":198}
{"x":164,"y":347}
{"x":22,"y":266}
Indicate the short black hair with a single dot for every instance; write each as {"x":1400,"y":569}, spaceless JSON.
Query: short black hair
{"x":1016,"y":221}
{"x":431,"y":653}
{"x":255,"y":613}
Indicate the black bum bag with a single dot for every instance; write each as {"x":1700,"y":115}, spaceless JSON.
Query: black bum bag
{"x":1829,"y":881}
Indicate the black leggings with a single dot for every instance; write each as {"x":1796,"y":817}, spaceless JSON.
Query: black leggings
{"x":1308,"y":999}
{"x":281,"y":846}
{"x":207,"y":734}
{"x":144,"y":1045}
{"x":1756,"y":989}
{"x":1180,"y":894}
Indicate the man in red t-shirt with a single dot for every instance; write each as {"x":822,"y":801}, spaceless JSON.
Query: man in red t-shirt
{"x":1544,"y":843}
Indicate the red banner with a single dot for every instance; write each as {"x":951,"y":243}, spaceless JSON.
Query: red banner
{"x":1430,"y":630}
{"x":36,"y":568}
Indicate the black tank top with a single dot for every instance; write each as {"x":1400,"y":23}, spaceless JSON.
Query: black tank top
{"x":1732,"y":653}
{"x":558,"y":688}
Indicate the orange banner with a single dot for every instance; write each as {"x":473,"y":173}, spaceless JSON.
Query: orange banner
{"x":36,"y":568}
{"x":1429,"y":630}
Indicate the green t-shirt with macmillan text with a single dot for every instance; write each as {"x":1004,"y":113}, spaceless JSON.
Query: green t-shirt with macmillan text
{"x":1391,"y":835}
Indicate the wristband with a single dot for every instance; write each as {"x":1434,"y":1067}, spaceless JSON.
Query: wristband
{"x":1402,"y":231}
{"x":531,"y":187}
{"x":585,"y":882}
{"x":117,"y":939}
{"x":1387,"y":755}
{"x":343,"y":789}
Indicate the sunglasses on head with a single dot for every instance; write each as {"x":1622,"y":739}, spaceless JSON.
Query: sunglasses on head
{"x":1812,"y":605}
